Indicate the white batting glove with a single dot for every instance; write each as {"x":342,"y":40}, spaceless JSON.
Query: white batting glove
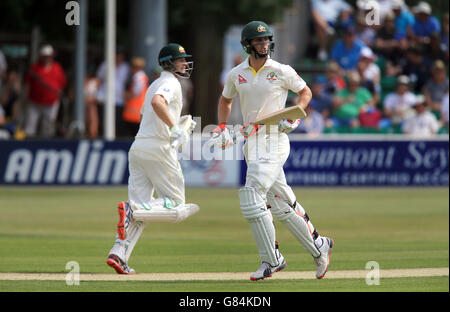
{"x":178,"y":137}
{"x":222,"y":137}
{"x":286,"y":126}
{"x":192,"y":127}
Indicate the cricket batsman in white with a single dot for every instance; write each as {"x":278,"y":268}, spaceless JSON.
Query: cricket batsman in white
{"x":262,"y":85}
{"x":153,"y":162}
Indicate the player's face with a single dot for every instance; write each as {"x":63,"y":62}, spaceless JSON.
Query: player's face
{"x":261,"y":45}
{"x":181,"y":65}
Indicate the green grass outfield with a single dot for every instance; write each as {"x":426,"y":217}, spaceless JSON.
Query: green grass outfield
{"x":43,"y":228}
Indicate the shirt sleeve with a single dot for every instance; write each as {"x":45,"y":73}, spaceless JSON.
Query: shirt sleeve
{"x":166,"y":91}
{"x":229,"y":90}
{"x":292,"y":80}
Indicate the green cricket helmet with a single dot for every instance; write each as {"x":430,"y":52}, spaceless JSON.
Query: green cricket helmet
{"x":169,"y":54}
{"x":253,"y":30}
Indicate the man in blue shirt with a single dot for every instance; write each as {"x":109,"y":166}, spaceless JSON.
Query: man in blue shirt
{"x":404,"y":20}
{"x":327,"y":16}
{"x":346,"y":52}
{"x":425,"y":24}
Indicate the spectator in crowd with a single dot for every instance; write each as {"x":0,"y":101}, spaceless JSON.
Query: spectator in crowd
{"x":348,"y":103}
{"x":327,"y":16}
{"x":435,"y":50}
{"x":404,"y":19}
{"x":134,"y":96}
{"x":321,"y":101}
{"x":436,"y":88}
{"x":444,"y":111}
{"x":370,"y":72}
{"x":91,"y":86}
{"x":390,"y":43}
{"x":364,"y":32}
{"x":417,"y":67}
{"x":346,"y":51}
{"x":335,"y":81}
{"x":424,"y":123}
{"x":398,"y":105}
{"x":9,"y":100}
{"x":425,"y":24}
{"x":121,"y":76}
{"x":44,"y":84}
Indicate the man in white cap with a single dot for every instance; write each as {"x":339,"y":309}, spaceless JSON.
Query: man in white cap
{"x":424,"y":123}
{"x":425,"y":23}
{"x":44,"y":84}
{"x":398,"y":105}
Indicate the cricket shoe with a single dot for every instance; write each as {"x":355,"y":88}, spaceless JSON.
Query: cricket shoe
{"x":125,"y":215}
{"x":323,"y":261}
{"x":118,"y":265}
{"x":266,"y":270}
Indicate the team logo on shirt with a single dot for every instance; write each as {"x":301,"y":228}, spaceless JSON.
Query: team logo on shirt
{"x":242,"y":79}
{"x":272,"y":76}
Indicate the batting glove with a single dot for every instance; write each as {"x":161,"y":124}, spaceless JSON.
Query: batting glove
{"x":178,"y":136}
{"x":286,"y":126}
{"x":222,"y":136}
{"x":249,"y":129}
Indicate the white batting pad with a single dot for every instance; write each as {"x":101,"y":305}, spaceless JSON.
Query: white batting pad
{"x":163,"y":210}
{"x":255,"y":212}
{"x":296,"y":223}
{"x":134,"y":232}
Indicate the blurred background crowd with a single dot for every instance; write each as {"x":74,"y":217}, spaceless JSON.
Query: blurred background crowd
{"x":386,"y":77}
{"x":369,"y":74}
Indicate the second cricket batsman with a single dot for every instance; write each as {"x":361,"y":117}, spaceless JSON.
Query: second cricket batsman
{"x":262,"y":85}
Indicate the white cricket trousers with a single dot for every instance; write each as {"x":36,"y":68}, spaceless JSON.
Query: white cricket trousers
{"x":265,"y":155}
{"x":154,"y":166}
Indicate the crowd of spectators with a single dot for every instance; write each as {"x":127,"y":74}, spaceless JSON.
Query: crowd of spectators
{"x":36,"y":106}
{"x":386,"y":71}
{"x":386,"y":75}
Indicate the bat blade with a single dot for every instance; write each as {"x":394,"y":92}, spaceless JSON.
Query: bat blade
{"x":291,"y":113}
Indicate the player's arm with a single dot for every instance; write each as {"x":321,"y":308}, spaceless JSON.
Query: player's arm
{"x":304,"y":97}
{"x":159,"y":105}
{"x":224,"y":109}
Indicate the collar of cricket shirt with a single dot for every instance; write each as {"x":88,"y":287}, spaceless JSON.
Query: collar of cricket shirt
{"x":268,"y":63}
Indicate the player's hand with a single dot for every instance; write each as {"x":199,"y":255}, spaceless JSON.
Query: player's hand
{"x":178,"y":137}
{"x":192,"y":123}
{"x":192,"y":127}
{"x":222,"y":137}
{"x":286,"y":126}
{"x":249,"y":130}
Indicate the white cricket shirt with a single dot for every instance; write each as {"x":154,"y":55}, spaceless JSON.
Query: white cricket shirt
{"x":261,"y":92}
{"x":151,"y":126}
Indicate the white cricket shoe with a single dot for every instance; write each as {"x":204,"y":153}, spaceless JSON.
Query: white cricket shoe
{"x":118,"y":265}
{"x":125,"y":215}
{"x":266,"y":270}
{"x":323,"y":261}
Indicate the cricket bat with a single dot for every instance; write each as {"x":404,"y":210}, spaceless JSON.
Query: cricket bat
{"x":291,"y":113}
